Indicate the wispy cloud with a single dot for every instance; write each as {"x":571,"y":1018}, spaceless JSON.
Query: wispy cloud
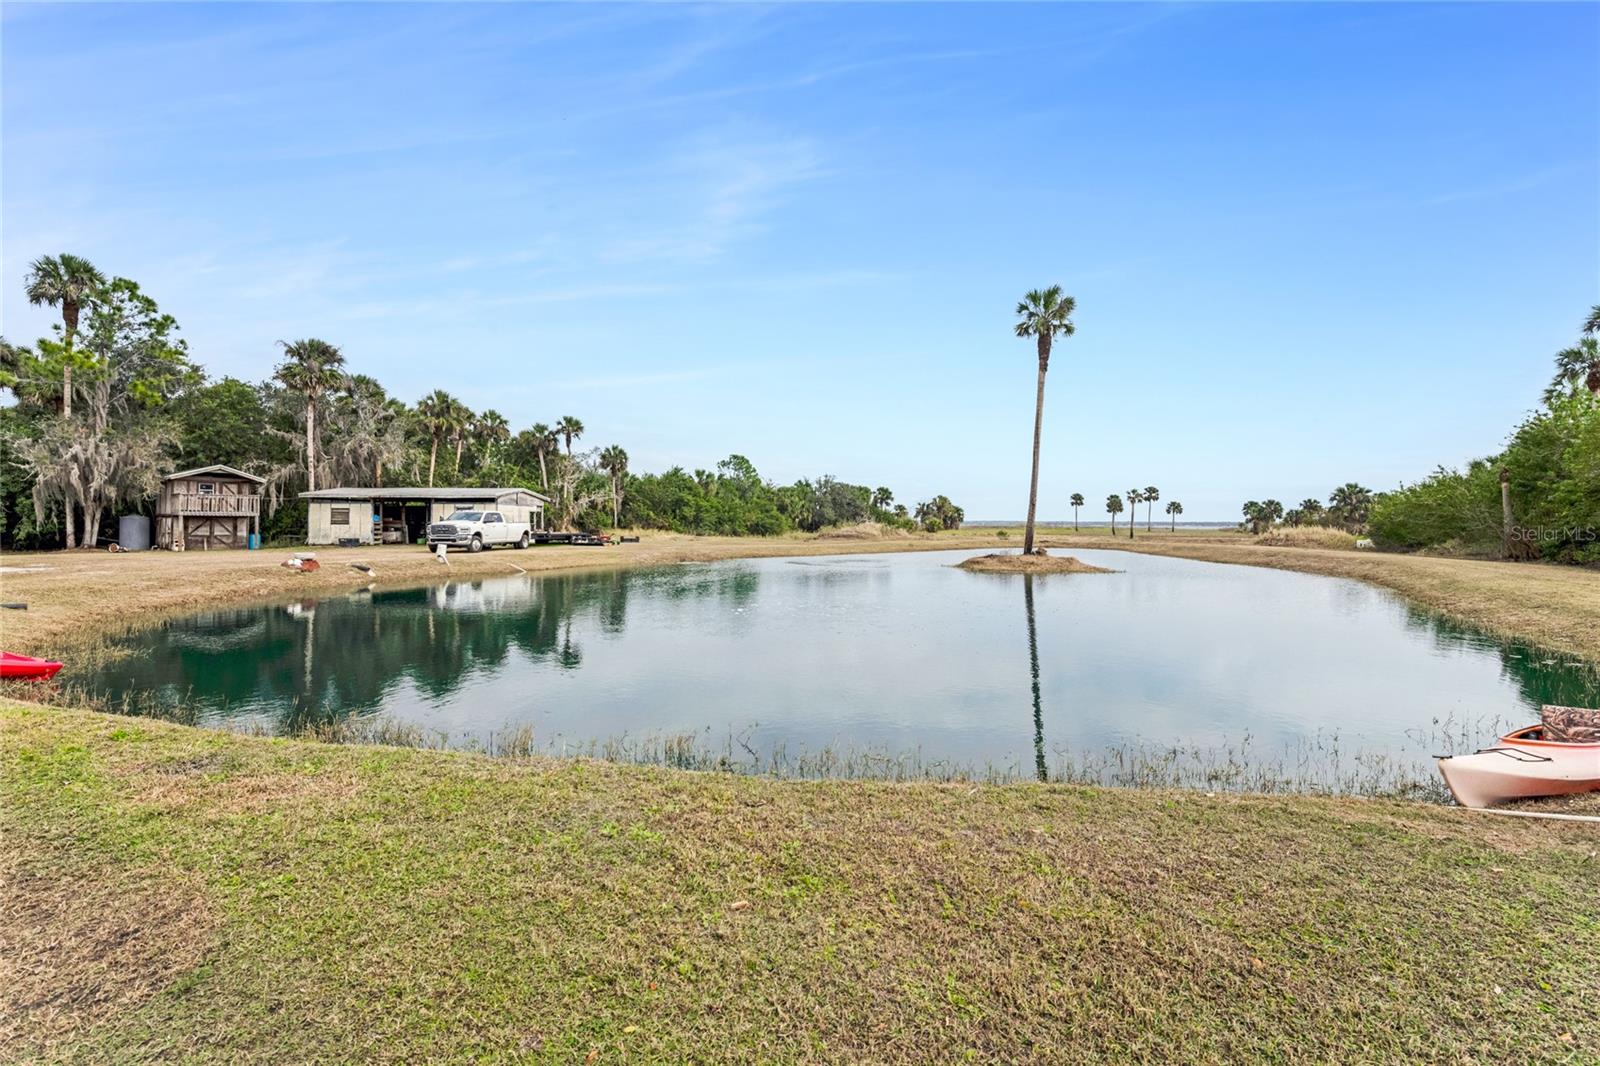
{"x":722,"y":188}
{"x":1507,"y":187}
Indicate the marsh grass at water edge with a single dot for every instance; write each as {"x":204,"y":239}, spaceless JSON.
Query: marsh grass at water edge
{"x":1321,"y":765}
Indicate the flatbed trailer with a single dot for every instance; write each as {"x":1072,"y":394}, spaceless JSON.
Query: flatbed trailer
{"x":545,"y":536}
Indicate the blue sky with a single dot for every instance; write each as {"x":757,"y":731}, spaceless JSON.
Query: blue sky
{"x":1309,"y":243}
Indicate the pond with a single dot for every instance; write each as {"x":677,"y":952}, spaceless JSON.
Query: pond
{"x":1168,"y":672}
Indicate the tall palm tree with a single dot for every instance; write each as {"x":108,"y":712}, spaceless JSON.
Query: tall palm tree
{"x":882,"y":498}
{"x":437,"y":411}
{"x":1580,"y":363}
{"x":570,"y":429}
{"x":64,"y":281}
{"x":1310,"y":510}
{"x":1151,"y":496}
{"x":491,"y":429}
{"x":544,"y":439}
{"x":1077,"y":502}
{"x":614,"y":461}
{"x":1174,"y":508}
{"x":1113,"y":508}
{"x":1042,"y":314}
{"x":1592,"y":323}
{"x":313,"y":368}
{"x":1135,"y":498}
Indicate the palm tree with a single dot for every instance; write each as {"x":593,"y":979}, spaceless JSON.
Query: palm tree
{"x":1174,"y":508}
{"x":1135,"y":498}
{"x":1113,"y":508}
{"x":614,"y":461}
{"x":570,"y":429}
{"x":65,"y":281}
{"x":1151,"y":495}
{"x":461,"y":417}
{"x":313,"y":368}
{"x":1260,"y":516}
{"x":1581,"y":362}
{"x":1592,"y":323}
{"x":1042,"y":314}
{"x":1077,"y":502}
{"x":881,"y":498}
{"x":1348,"y":505}
{"x":544,"y":439}
{"x":1310,"y":510}
{"x":491,"y":429}
{"x":437,"y":411}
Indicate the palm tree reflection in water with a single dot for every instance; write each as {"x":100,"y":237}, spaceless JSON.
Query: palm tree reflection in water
{"x":1040,"y":769}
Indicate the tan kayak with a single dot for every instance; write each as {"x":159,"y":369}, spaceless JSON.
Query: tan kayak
{"x":1522,"y":765}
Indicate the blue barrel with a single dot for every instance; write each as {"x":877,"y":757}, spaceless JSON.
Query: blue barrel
{"x":254,"y":541}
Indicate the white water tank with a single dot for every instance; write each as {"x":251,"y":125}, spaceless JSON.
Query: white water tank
{"x":133,"y":533}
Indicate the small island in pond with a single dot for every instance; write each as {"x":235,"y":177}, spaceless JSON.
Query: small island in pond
{"x":1040,"y":562}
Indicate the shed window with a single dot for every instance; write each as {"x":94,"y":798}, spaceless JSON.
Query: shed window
{"x":339,"y":516}
{"x":208,"y":488}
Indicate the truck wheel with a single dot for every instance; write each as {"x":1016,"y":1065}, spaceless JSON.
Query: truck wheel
{"x":523,"y":543}
{"x":477,"y":543}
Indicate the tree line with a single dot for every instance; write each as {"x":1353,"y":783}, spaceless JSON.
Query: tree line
{"x":113,"y":401}
{"x":1348,"y":508}
{"x":1538,"y":498}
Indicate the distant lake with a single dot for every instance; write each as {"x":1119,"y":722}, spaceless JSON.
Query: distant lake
{"x":880,"y":658}
{"x":1097,"y":523}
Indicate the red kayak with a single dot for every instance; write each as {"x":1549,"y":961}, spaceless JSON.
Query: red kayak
{"x":26,"y":668}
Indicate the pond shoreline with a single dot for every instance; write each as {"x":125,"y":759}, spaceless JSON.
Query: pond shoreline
{"x":84,"y":597}
{"x":79,"y":599}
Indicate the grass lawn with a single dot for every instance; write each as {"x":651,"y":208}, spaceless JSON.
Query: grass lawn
{"x":174,"y":892}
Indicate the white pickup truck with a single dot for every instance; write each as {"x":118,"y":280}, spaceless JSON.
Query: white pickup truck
{"x":477,"y":530}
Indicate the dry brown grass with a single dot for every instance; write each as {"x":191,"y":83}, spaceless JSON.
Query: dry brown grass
{"x":1307,"y":537}
{"x":1040,"y":562}
{"x":231,"y":795}
{"x":80,"y":947}
{"x":865,"y":531}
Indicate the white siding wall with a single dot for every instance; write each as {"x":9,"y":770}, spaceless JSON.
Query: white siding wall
{"x":321,"y":529}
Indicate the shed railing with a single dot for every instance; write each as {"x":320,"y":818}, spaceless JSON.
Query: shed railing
{"x":187,"y":503}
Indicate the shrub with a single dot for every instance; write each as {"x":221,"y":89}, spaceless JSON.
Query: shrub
{"x":1553,"y":463}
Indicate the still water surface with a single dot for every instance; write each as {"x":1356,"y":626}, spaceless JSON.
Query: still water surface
{"x":897,"y":654}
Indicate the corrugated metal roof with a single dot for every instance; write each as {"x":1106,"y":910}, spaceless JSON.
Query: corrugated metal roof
{"x":216,"y":469}
{"x":473,"y":493}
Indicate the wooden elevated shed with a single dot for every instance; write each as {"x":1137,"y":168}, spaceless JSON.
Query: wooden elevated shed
{"x":208,"y":507}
